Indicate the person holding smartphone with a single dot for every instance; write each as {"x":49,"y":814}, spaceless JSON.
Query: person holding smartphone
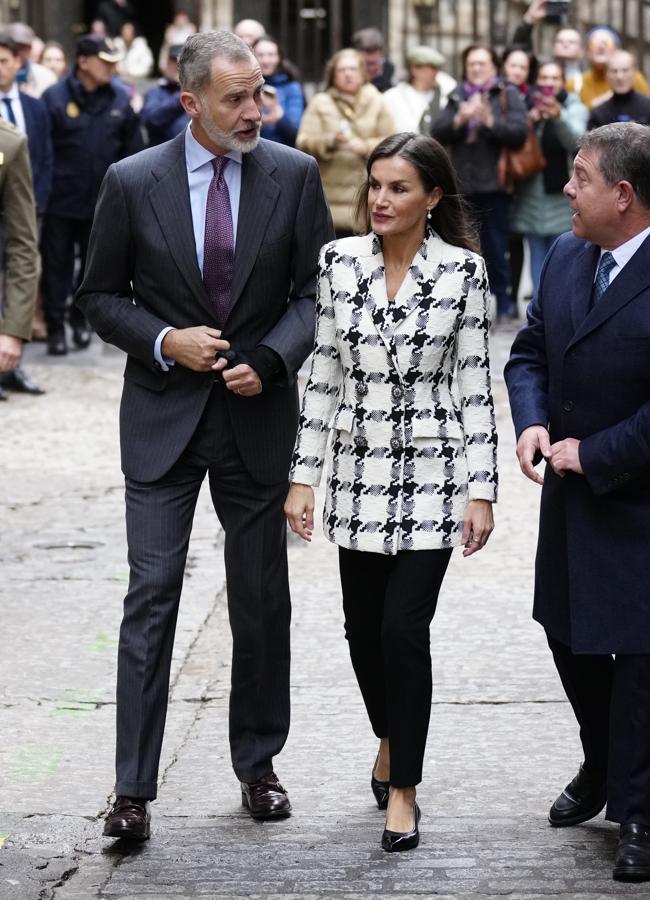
{"x":539,"y":209}
{"x":284,"y":102}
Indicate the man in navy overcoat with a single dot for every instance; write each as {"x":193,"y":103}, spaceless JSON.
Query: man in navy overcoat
{"x":579,"y":385}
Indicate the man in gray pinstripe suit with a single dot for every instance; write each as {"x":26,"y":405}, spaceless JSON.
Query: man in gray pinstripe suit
{"x":202,"y":268}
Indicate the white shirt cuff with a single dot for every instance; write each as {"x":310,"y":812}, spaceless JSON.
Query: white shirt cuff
{"x":165,"y":362}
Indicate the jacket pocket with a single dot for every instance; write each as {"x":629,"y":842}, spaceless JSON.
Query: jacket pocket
{"x":147,"y":378}
{"x":428,"y":427}
{"x":343,"y":420}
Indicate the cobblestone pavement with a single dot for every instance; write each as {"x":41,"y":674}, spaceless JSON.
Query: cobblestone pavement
{"x":502,"y":739}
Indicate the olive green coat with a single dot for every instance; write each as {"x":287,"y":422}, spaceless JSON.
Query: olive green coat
{"x":19,"y":237}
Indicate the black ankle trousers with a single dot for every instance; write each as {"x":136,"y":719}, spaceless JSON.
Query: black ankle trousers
{"x":389,"y":602}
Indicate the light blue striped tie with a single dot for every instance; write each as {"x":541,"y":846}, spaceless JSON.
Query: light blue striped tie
{"x":607,"y":263}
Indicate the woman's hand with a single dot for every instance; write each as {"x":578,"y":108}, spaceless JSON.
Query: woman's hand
{"x":478,"y":525}
{"x":358,"y":146}
{"x":299,"y":510}
{"x":272,"y":111}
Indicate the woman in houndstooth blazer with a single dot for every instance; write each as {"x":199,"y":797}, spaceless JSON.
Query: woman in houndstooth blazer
{"x":400,"y":381}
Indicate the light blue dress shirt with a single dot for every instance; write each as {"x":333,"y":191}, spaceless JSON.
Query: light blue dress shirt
{"x":624,"y":253}
{"x":198,"y":161}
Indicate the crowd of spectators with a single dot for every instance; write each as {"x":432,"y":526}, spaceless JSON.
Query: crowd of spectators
{"x":79,"y":115}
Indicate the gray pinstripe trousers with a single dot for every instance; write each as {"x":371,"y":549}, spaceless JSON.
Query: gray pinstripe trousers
{"x":159,"y":521}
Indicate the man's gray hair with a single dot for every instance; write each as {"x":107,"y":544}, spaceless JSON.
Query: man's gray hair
{"x":195,"y":61}
{"x":623,"y":150}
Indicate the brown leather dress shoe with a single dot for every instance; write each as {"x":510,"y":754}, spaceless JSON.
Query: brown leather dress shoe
{"x":128,"y":818}
{"x":266,"y":798}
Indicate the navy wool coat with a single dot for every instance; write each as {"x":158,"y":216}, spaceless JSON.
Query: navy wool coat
{"x":585,"y":373}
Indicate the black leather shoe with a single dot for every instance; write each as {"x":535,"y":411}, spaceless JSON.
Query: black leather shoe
{"x":632,"y":862}
{"x":128,"y":818}
{"x":18,"y":380}
{"x":56,"y":345}
{"x":582,"y":799}
{"x":396,"y":841}
{"x":80,"y":336}
{"x":266,"y":798}
{"x":379,"y":788}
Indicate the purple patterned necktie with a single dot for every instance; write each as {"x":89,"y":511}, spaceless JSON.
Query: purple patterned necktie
{"x":218,"y":243}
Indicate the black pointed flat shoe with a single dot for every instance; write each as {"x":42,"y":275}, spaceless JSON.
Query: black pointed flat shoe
{"x":397,"y":841}
{"x":379,"y":788}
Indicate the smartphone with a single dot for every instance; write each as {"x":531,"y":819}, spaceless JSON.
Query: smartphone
{"x":557,"y":9}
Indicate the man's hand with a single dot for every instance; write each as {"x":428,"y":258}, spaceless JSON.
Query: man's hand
{"x":242,"y":380}
{"x":565,"y":457}
{"x":195,"y":348}
{"x":478,"y":525}
{"x":11,"y":349}
{"x":535,"y":12}
{"x":299,"y":510}
{"x":531,"y":441}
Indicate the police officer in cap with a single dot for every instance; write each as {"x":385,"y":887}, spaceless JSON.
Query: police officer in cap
{"x":93,"y":126}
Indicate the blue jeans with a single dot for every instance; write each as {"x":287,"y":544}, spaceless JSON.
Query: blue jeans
{"x":491,"y":211}
{"x":539,"y":245}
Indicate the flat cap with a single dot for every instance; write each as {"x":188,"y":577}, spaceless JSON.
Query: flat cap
{"x":424,"y":56}
{"x":20,"y":33}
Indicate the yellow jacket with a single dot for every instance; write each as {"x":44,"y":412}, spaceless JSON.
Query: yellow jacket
{"x":594,"y":84}
{"x":342,"y":170}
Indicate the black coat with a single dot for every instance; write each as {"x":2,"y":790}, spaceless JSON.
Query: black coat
{"x":476,"y":161}
{"x":586,"y":374}
{"x":630,"y":107}
{"x":90,"y":131}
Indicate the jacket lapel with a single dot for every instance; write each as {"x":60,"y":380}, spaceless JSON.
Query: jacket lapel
{"x":634,"y":278}
{"x":258,"y":198}
{"x":419,"y":282}
{"x":371,"y":278}
{"x":170,"y":199}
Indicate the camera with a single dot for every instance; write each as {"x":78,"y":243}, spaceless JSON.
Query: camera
{"x":557,"y":9}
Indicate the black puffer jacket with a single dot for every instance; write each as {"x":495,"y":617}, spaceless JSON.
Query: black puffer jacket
{"x":476,"y":161}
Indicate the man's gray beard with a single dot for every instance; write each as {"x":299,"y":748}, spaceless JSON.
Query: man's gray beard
{"x":228,"y":140}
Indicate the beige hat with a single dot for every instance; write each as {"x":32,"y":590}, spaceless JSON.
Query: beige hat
{"x":20,"y":33}
{"x":424,"y":56}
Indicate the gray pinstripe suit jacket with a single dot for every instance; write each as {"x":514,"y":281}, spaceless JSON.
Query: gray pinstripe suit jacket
{"x":142,"y":274}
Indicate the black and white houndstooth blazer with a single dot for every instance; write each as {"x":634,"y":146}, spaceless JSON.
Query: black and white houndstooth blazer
{"x":404,"y":388}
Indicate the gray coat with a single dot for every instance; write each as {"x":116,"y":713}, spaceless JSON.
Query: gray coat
{"x":142,"y":274}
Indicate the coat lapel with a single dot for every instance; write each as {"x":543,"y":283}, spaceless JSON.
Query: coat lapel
{"x":170,"y":199}
{"x":580,"y":283}
{"x":258,"y":198}
{"x":632,"y":280}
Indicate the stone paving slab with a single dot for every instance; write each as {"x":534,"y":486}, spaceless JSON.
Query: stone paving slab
{"x":502,"y":741}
